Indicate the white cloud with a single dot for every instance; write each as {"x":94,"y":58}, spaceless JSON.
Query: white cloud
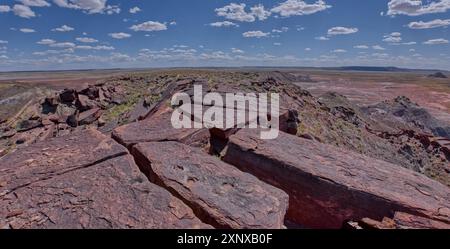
{"x":380,"y":55}
{"x":83,"y":47}
{"x":5,"y":8}
{"x":149,"y":26}
{"x":378,"y":47}
{"x":322,"y":38}
{"x":172,"y":23}
{"x":308,"y":49}
{"x":224,"y":24}
{"x":89,"y":6}
{"x":4,"y":57}
{"x":3,"y":42}
{"x":259,"y":12}
{"x":342,"y":31}
{"x":277,"y":43}
{"x":394,"y":37}
{"x":236,"y":51}
{"x":256,"y":34}
{"x":120,"y":35}
{"x":63,"y":28}
{"x":429,"y":25}
{"x":237,"y":12}
{"x":436,"y":41}
{"x":35,"y":3}
{"x":27,"y":30}
{"x":417,"y":7}
{"x":282,"y":30}
{"x":46,"y":42}
{"x":62,"y":45}
{"x":361,"y":47}
{"x":23,"y":11}
{"x":299,"y":8}
{"x":409,"y":43}
{"x":135,"y":10}
{"x":339,"y":51}
{"x":86,"y":40}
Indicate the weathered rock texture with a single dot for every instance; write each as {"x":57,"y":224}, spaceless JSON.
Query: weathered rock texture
{"x":328,"y":185}
{"x":218,"y":193}
{"x":158,"y":128}
{"x":84,"y":180}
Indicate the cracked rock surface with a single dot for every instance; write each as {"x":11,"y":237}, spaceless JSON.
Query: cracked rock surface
{"x":84,"y":180}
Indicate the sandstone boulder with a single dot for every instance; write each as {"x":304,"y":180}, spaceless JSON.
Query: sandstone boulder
{"x":217,"y":192}
{"x":328,"y":186}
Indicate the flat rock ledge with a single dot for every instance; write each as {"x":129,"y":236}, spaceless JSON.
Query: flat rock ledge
{"x":219,"y":194}
{"x":328,"y":186}
{"x":85,"y":180}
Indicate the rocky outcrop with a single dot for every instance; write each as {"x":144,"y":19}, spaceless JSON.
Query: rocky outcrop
{"x":158,"y":128}
{"x":217,"y":192}
{"x":438,"y":75}
{"x":84,"y":180}
{"x":328,"y":185}
{"x":402,"y":111}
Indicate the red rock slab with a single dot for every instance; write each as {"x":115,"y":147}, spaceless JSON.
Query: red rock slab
{"x":55,"y":156}
{"x":328,"y":186}
{"x":84,"y":181}
{"x":409,"y":221}
{"x":157,"y":128}
{"x":111,"y":194}
{"x":218,"y":193}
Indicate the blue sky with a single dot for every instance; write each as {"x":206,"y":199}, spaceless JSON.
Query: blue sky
{"x":82,"y":34}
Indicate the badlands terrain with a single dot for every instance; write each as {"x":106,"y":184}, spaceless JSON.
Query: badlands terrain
{"x":96,"y":149}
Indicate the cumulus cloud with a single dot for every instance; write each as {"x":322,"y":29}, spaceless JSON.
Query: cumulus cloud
{"x":436,"y":41}
{"x":394,"y":37}
{"x":224,"y":24}
{"x":259,"y":12}
{"x":417,"y":7}
{"x":255,"y":34}
{"x":237,"y":12}
{"x":27,"y":30}
{"x":89,"y":6}
{"x":299,"y":8}
{"x":429,"y":25}
{"x":120,"y":35}
{"x":237,"y":51}
{"x":46,"y":42}
{"x":339,"y":51}
{"x":23,"y":11}
{"x":149,"y":26}
{"x":322,"y":38}
{"x":62,"y":45}
{"x":135,"y":10}
{"x":35,"y":3}
{"x":342,"y":31}
{"x":4,"y":8}
{"x":282,"y":30}
{"x":378,"y":47}
{"x":361,"y":47}
{"x":63,"y":28}
{"x":83,"y":47}
{"x":86,"y":40}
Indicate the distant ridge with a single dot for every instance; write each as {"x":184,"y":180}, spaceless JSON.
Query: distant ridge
{"x":383,"y":69}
